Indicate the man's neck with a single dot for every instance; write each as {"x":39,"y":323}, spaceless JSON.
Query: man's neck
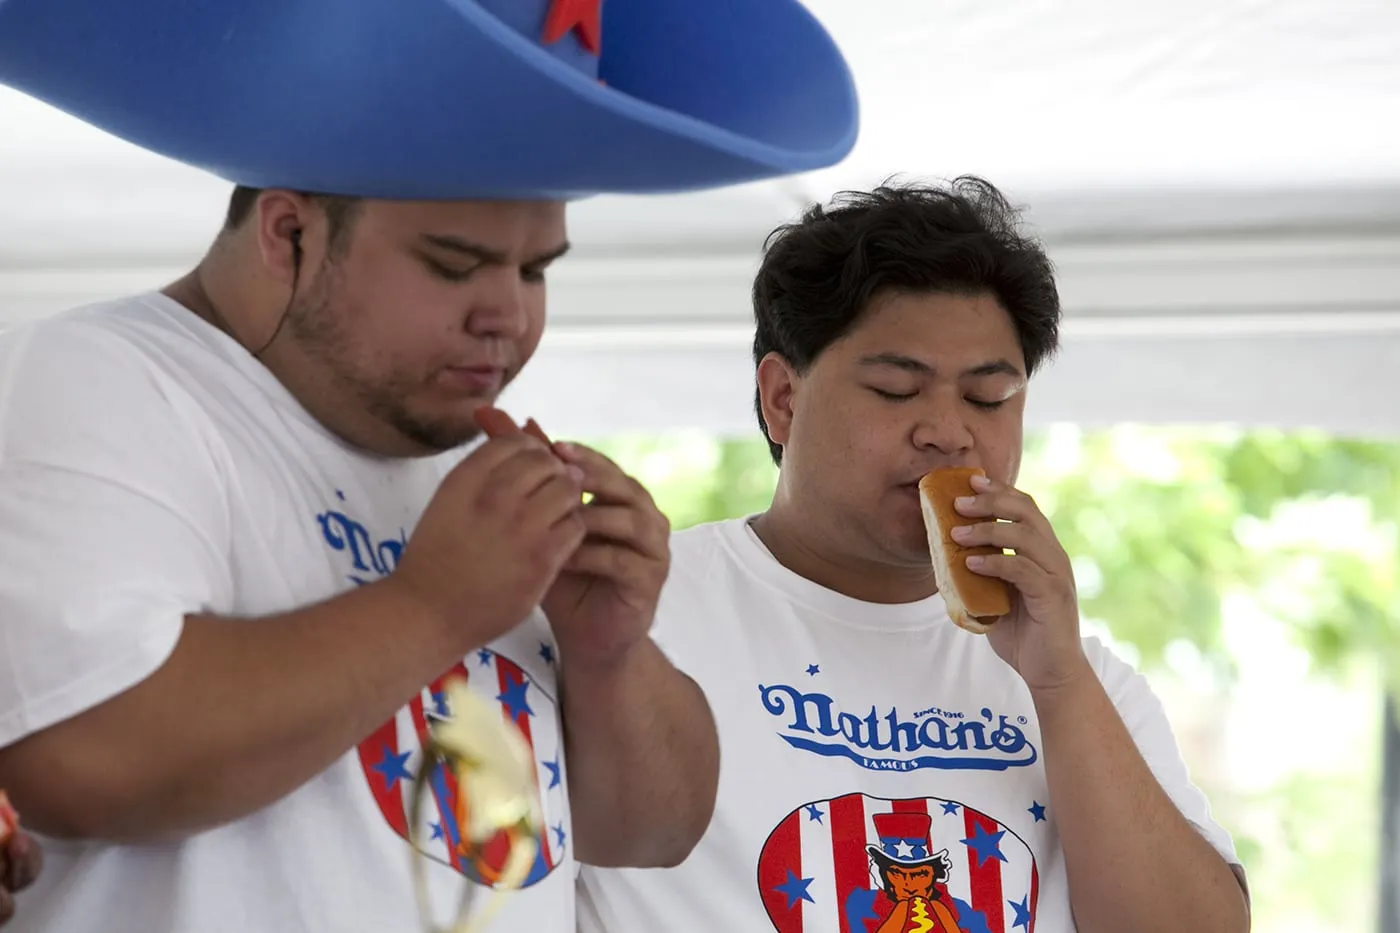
{"x":188,"y":292}
{"x":214,"y":296}
{"x":801,"y":548}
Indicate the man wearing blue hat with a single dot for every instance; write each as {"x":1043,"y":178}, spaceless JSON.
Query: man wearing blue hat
{"x":243,"y":552}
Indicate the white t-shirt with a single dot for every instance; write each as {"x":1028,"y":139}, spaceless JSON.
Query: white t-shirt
{"x":860,"y":742}
{"x":151,"y":469}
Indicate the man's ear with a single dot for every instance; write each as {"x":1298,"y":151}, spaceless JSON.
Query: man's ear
{"x":778,"y":384}
{"x":281,"y":218}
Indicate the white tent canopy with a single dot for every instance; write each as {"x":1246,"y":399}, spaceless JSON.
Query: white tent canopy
{"x":1218,"y":180}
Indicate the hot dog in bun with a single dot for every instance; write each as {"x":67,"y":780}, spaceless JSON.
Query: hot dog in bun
{"x":975,"y":602}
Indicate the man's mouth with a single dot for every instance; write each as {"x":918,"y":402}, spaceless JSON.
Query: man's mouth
{"x":475,"y":379}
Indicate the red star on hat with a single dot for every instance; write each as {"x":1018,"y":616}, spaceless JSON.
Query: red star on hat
{"x":581,"y":15}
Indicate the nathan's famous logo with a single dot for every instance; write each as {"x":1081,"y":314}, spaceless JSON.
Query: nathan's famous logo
{"x":886,"y":741}
{"x":857,"y":864}
{"x":369,"y":557}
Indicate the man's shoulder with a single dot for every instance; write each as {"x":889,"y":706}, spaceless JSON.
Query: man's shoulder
{"x":695,"y":549}
{"x":111,"y":369}
{"x":1125,"y":684}
{"x":699,"y":586}
{"x":1104,"y":656}
{"x":124,"y":328}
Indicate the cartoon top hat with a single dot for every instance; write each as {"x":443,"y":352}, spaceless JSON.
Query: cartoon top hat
{"x":447,"y":99}
{"x":906,"y":839}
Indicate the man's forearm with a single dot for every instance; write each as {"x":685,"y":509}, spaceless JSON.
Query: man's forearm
{"x":643,"y":760}
{"x":1135,"y":865}
{"x":242,"y":713}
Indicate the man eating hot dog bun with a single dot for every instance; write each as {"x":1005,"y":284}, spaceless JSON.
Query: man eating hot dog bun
{"x":915,"y":736}
{"x":250,"y":529}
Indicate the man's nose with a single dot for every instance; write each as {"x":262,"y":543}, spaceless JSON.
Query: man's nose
{"x":499,"y":308}
{"x":942,"y":425}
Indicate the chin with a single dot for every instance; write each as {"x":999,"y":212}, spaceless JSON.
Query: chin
{"x":912,"y":546}
{"x":902,"y":545}
{"x":438,"y":435}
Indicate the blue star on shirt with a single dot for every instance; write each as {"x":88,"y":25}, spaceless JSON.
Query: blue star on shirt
{"x":1037,"y":810}
{"x":547,"y":652}
{"x":950,"y":808}
{"x":813,"y":670}
{"x":986,"y":845}
{"x":393,"y":768}
{"x":795,"y":889}
{"x":440,"y":705}
{"x":971,"y":921}
{"x":1023,"y":912}
{"x":514,"y":699}
{"x":814,"y":814}
{"x":553,"y":768}
{"x":437,"y":830}
{"x":559,"y":835}
{"x":484,"y":656}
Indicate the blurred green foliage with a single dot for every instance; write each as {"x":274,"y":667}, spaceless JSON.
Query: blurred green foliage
{"x":1164,"y":525}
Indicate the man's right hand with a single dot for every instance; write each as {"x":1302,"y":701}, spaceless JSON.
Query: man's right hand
{"x":233,"y":722}
{"x":494,"y":537}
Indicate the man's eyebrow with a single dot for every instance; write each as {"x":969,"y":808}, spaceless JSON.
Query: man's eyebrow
{"x":545,"y":258}
{"x":897,"y":361}
{"x":456,"y":244}
{"x":998,"y":367}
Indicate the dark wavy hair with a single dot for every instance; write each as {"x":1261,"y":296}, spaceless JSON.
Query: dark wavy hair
{"x":820,"y":274}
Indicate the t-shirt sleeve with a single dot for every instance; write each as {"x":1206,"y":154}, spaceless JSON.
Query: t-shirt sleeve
{"x":112,"y":527}
{"x":1143,"y":714}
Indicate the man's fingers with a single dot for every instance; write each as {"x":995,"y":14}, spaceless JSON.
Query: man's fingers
{"x":557,"y":499}
{"x":1011,"y":535}
{"x":530,"y":468}
{"x":25,"y":860}
{"x":641,"y":531}
{"x":997,"y":500}
{"x":1014,"y":536}
{"x":1029,"y":578}
{"x":615,"y":562}
{"x":496,"y":451}
{"x":533,"y":429}
{"x":564,"y":538}
{"x":494,"y":422}
{"x":603,"y":478}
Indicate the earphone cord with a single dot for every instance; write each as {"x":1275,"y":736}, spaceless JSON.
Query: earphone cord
{"x":296,"y":277}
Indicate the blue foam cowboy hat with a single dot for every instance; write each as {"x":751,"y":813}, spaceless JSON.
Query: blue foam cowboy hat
{"x":447,"y":99}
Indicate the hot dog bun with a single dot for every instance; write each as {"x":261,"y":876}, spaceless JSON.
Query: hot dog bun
{"x":974,"y":602}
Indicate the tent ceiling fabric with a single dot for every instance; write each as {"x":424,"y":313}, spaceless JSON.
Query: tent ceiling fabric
{"x":1219,"y":182}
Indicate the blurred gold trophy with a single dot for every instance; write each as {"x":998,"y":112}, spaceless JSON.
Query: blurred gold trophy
{"x":496,"y":793}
